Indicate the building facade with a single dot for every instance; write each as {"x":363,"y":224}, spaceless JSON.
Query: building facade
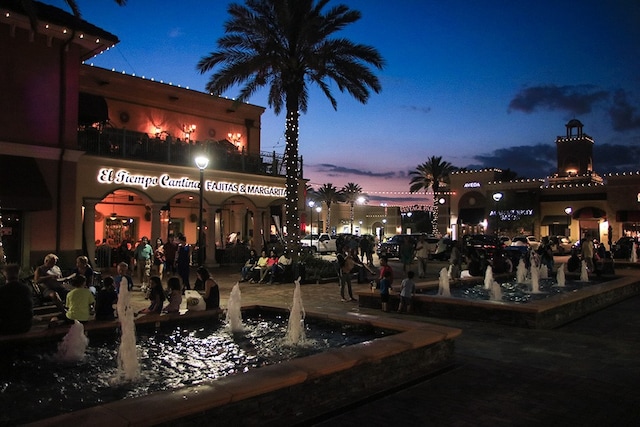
{"x":88,"y":154}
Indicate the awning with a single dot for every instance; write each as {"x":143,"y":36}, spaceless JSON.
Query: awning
{"x":471,"y":215}
{"x":92,"y":109}
{"x":23,"y":186}
{"x":628,"y":216}
{"x":589,"y":213}
{"x":555,"y":219}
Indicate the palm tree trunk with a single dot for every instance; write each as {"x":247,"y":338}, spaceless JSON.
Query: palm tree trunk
{"x":292,"y":180}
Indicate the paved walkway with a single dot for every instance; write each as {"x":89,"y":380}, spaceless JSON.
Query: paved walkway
{"x":586,"y":373}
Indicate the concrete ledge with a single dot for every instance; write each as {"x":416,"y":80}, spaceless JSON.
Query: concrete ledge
{"x":292,"y":391}
{"x":542,"y":314}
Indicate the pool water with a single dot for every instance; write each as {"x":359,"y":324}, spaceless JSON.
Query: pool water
{"x":34,"y":385}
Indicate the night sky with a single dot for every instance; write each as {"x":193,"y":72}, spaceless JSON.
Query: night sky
{"x":481,"y":83}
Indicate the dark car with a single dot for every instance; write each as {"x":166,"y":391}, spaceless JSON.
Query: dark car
{"x":391,"y":247}
{"x":621,"y":249}
{"x":443,"y":249}
{"x":482,"y":242}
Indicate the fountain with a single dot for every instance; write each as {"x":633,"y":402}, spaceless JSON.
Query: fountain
{"x":73,"y":345}
{"x":584,"y":274}
{"x":443,"y":283}
{"x":128,"y":364}
{"x":488,"y":278}
{"x":560,"y":276}
{"x":295,"y":329}
{"x":234,"y":313}
{"x":495,"y":292}
{"x":544,"y":272}
{"x":535,"y":279}
{"x":521,"y":272}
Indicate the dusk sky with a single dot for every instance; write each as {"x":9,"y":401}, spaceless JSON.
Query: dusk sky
{"x":481,"y":83}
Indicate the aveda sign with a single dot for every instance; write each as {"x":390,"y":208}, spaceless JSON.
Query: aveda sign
{"x":124,"y":177}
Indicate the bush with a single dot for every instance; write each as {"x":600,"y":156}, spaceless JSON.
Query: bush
{"x":318,"y":269}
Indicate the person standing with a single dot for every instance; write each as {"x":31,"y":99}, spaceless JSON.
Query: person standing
{"x":385,"y":288}
{"x":407,"y":289}
{"x":407,"y":252}
{"x":159,"y":257}
{"x":455,"y":260}
{"x":16,"y":305}
{"x":143,"y":255}
{"x":422,"y":253}
{"x":346,"y":264}
{"x":183,"y":258}
{"x":170,"y":250}
{"x":586,"y":250}
{"x":106,"y":299}
{"x":103,"y":255}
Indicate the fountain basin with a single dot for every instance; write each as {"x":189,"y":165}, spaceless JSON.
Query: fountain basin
{"x":289,"y":392}
{"x":539,"y":314}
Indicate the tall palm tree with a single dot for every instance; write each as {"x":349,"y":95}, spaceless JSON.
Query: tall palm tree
{"x":352,"y":192}
{"x":286,"y":44}
{"x":434,"y":174}
{"x":329,"y":194}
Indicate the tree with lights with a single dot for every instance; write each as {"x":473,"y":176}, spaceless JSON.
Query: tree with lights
{"x":434,"y":174}
{"x":287,"y":44}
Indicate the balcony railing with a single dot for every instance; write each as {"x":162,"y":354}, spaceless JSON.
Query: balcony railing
{"x":223,"y":155}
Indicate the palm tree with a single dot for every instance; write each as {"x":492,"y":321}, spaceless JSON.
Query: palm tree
{"x":352,"y":192}
{"x":434,"y":174}
{"x":328,"y":194}
{"x":286,"y":44}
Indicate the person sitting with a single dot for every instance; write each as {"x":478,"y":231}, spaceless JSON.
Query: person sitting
{"x":123,"y":276}
{"x":106,"y":299}
{"x":249,"y":265}
{"x":50,"y":277}
{"x":174,"y":297}
{"x":260,"y":269}
{"x":156,"y":296}
{"x":16,"y":305}
{"x":83,"y":267}
{"x":79,"y":301}
{"x":574,"y":263}
{"x":278,"y":269}
{"x":211,"y":289}
{"x":271,"y":262}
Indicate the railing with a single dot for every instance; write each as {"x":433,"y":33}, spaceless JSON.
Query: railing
{"x":223,"y":155}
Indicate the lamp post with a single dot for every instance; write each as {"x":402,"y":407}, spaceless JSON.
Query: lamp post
{"x":311,"y":205}
{"x":568,"y":210}
{"x":496,"y":198}
{"x":384,"y":224}
{"x":201,"y":162}
{"x":318,"y":209}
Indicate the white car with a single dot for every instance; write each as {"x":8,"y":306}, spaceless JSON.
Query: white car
{"x":322,"y":243}
{"x":526,"y":241}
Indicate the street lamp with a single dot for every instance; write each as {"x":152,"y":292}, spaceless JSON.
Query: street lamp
{"x":384,"y":224}
{"x":496,"y":198}
{"x":201,"y":162}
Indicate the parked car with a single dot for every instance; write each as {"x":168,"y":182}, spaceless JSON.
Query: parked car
{"x":560,"y":245}
{"x":483,"y":242}
{"x":391,"y":247}
{"x":529,"y":241}
{"x":443,"y":249}
{"x":621,"y":249}
{"x":323,"y":243}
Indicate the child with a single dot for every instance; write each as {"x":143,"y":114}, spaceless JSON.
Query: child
{"x":408,"y":287}
{"x":79,"y":301}
{"x":175,"y":295}
{"x":385,"y":287}
{"x":106,"y":299}
{"x":156,"y":296}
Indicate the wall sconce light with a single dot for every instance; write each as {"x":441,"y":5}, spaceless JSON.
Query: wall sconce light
{"x":234,"y":138}
{"x":188,"y":130}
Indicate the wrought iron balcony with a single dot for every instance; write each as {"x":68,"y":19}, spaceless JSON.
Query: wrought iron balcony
{"x":223,"y":155}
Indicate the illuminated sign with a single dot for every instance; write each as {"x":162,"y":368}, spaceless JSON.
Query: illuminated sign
{"x":471,"y":184}
{"x":124,"y":177}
